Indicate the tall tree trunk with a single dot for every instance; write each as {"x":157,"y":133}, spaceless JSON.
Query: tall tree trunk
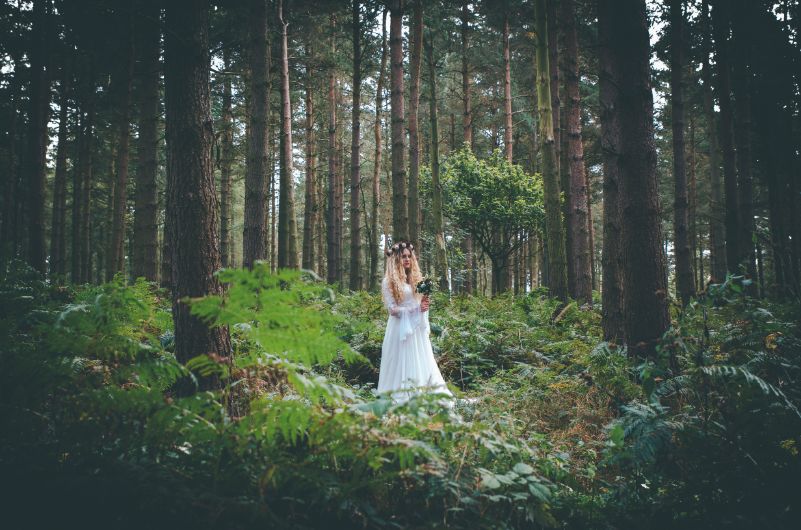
{"x":612,"y":252}
{"x":416,"y":52}
{"x":717,"y":234}
{"x":77,"y":194}
{"x":38,"y":116}
{"x":9,"y":232}
{"x":467,"y":133}
{"x":379,"y":102}
{"x":557,"y":265}
{"x":287,"y":222}
{"x":721,"y":18}
{"x":681,"y":245}
{"x":310,"y":210}
{"x":692,"y":206}
{"x":624,"y":29}
{"x":254,"y":235}
{"x":116,"y":251}
{"x":355,"y":173}
{"x":507,"y":91}
{"x":400,"y":195}
{"x":192,"y":201}
{"x":58,"y":236}
{"x":226,"y":163}
{"x":440,"y":258}
{"x":742,"y":98}
{"x":467,"y":117}
{"x":578,"y":223}
{"x":334,"y":221}
{"x":87,"y":166}
{"x":146,"y":227}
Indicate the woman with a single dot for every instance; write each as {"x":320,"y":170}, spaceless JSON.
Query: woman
{"x":407,"y":360}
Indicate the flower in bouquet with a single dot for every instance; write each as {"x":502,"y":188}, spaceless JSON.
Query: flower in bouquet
{"x":425,"y":286}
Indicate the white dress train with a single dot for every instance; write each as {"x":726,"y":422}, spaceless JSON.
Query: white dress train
{"x":408,"y":366}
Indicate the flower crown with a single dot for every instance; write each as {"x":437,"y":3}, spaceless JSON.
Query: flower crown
{"x":399,"y":247}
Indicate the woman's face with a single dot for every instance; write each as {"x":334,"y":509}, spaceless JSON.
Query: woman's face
{"x":406,"y":259}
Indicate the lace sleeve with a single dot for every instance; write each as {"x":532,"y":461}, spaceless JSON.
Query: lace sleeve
{"x":410,"y":315}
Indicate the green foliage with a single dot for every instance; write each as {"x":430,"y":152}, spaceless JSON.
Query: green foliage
{"x":491,"y":199}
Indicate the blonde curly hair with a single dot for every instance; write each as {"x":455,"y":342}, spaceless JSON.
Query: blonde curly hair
{"x":395,"y":274}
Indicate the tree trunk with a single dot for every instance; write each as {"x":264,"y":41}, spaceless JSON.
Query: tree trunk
{"x":192,"y":199}
{"x":254,"y":234}
{"x":226,"y":162}
{"x":287,"y":222}
{"x":440,"y":258}
{"x":116,"y":252}
{"x":145,"y":246}
{"x":379,"y":102}
{"x":692,"y":207}
{"x":310,"y":210}
{"x":555,"y":236}
{"x":416,"y":52}
{"x":717,"y":234}
{"x":578,"y":222}
{"x":625,"y":30}
{"x":355,"y":173}
{"x":38,"y":116}
{"x":467,"y":118}
{"x":742,"y":98}
{"x":58,"y":236}
{"x":612,"y":252}
{"x":334,"y":231}
{"x":507,"y":91}
{"x":720,"y":28}
{"x":87,"y":165}
{"x":77,"y":193}
{"x":681,"y":245}
{"x":400,"y":196}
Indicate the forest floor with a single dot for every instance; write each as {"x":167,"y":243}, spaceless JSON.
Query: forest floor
{"x":552,"y":426}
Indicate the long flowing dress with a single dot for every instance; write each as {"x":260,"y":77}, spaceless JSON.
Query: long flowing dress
{"x":408,"y":366}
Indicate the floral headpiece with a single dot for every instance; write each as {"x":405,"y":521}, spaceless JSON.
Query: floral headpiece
{"x":398,"y":247}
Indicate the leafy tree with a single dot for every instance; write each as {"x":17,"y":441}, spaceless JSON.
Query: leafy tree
{"x":493,"y":200}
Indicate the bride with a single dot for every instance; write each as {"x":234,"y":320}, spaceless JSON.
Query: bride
{"x":407,"y":360}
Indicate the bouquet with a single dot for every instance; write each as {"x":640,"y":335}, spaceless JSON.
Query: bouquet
{"x":425,"y":287}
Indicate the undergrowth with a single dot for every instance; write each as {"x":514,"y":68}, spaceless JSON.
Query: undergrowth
{"x":553,"y":427}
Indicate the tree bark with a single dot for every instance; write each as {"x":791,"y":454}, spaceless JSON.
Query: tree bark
{"x":400,"y":192}
{"x":578,"y":223}
{"x":717,"y":234}
{"x":379,"y":103}
{"x":145,"y":245}
{"x":254,"y":234}
{"x":742,"y":134}
{"x":681,"y":245}
{"x":467,"y":117}
{"x":311,"y":206}
{"x":557,"y":265}
{"x":612,"y":253}
{"x":721,"y":18}
{"x":226,"y":163}
{"x":116,"y":252}
{"x":333,"y":209}
{"x":355,"y":172}
{"x":287,"y":222}
{"x":87,"y":166}
{"x":624,"y":29}
{"x":507,"y":92}
{"x":58,"y":236}
{"x":192,"y":198}
{"x":415,"y":60}
{"x":38,"y":116}
{"x":440,"y":258}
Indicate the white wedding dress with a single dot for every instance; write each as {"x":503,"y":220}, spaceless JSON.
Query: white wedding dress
{"x":407,"y":359}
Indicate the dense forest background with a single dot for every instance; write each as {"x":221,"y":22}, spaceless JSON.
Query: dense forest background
{"x":195,"y":201}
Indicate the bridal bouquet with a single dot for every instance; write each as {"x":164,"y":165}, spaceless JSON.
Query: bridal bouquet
{"x":425,"y":287}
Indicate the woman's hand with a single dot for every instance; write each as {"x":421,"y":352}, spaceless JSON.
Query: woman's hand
{"x":425,"y":304}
